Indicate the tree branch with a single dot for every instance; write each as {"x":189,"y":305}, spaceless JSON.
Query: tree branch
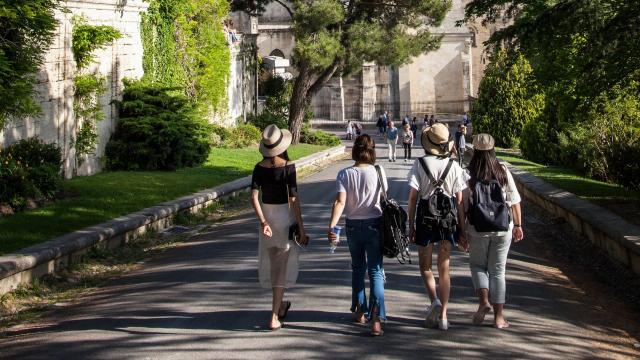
{"x":286,"y":7}
{"x":326,"y":75}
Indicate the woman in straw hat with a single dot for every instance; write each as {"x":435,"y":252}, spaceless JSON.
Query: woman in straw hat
{"x":489,"y":241}
{"x":277,"y":211}
{"x":437,"y":146}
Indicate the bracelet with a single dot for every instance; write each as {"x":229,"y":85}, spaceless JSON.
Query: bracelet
{"x":517,"y":225}
{"x":264,"y":223}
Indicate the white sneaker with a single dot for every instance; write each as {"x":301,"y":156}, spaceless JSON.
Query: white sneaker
{"x":433,"y":313}
{"x":443,"y":324}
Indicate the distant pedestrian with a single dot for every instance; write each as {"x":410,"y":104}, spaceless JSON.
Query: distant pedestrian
{"x":465,"y":119}
{"x":461,"y":142}
{"x":380,"y":126}
{"x":392,"y":140}
{"x":414,"y":126}
{"x":359,"y":191}
{"x":436,"y":184}
{"x":278,"y":210}
{"x":491,"y":227}
{"x":358,"y":128}
{"x":385,"y":122}
{"x":350,"y":130}
{"x":407,"y":142}
{"x":432,"y":120}
{"x":406,"y":120}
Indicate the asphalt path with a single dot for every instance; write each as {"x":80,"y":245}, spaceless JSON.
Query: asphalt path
{"x":201,"y":300}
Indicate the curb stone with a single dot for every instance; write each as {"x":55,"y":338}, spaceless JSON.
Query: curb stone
{"x":35,"y":261}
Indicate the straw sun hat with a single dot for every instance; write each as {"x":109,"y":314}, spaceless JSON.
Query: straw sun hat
{"x":274,"y":141}
{"x":435,"y":140}
{"x":483,"y":142}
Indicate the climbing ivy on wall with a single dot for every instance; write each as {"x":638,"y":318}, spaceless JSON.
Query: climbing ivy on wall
{"x":88,"y":88}
{"x":185,"y":47}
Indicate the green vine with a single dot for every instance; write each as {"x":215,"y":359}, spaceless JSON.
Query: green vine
{"x":85,"y":39}
{"x":88,"y":110}
{"x":88,"y":88}
{"x":185,"y":47}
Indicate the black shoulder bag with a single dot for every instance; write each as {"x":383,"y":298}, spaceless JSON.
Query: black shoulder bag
{"x":394,"y":241}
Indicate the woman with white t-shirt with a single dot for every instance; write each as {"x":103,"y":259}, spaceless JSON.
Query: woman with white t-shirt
{"x":438,"y":147}
{"x":358,"y":195}
{"x":488,"y":250}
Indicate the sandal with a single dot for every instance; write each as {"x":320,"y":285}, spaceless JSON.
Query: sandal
{"x":375,"y":319}
{"x":287,"y":306}
{"x":358,"y":316}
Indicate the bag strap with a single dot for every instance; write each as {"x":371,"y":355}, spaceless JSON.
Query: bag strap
{"x":286,"y":182}
{"x":437,"y":183}
{"x":380,"y":182}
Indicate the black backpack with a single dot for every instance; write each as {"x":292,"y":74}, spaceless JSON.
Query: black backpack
{"x":488,"y":210}
{"x":394,"y":241}
{"x":438,"y":212}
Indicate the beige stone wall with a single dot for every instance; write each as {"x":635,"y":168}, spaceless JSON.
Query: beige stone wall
{"x":55,"y":90}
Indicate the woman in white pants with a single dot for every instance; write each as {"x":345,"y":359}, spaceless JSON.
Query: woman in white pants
{"x":277,"y":209}
{"x":492,"y":224}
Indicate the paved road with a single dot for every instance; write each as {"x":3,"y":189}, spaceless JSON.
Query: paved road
{"x":201,"y":301}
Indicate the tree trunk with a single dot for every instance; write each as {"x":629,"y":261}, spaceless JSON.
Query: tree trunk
{"x":303,"y":91}
{"x":299,"y":102}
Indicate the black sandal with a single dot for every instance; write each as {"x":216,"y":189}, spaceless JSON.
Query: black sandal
{"x":287,"y":306}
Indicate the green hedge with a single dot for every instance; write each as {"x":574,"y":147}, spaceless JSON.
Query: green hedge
{"x":30,"y":170}
{"x":235,"y":138}
{"x":318,"y":137}
{"x":157,"y":130}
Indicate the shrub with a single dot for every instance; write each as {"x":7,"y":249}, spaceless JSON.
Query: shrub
{"x":267,"y":118}
{"x":234,"y":138}
{"x":318,"y":137}
{"x":507,"y":99}
{"x":157,"y":131}
{"x":30,"y":169}
{"x":605,"y":144}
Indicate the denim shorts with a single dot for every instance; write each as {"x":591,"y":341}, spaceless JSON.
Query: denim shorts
{"x":425,"y":237}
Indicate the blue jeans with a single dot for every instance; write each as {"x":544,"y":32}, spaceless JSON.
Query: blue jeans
{"x":363,"y":237}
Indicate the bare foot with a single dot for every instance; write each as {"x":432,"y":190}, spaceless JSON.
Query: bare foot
{"x":359,"y":317}
{"x":274,"y":324}
{"x":478,"y":317}
{"x":376,"y":327}
{"x":500,"y":323}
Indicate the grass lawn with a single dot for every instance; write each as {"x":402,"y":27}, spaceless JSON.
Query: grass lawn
{"x":108,"y":195}
{"x":624,"y":202}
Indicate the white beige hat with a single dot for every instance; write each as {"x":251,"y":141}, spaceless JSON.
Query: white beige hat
{"x":435,"y":140}
{"x":483,"y":142}
{"x":274,"y":141}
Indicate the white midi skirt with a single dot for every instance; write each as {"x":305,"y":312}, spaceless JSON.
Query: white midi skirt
{"x":277,"y":255}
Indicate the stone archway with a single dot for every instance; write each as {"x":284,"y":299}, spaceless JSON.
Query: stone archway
{"x":277,"y":52}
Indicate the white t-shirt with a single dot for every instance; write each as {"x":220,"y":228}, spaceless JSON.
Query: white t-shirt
{"x":455,"y":181}
{"x":511,"y":197}
{"x":363,"y":193}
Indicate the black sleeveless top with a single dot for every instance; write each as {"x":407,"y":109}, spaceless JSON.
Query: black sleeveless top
{"x":273,"y":185}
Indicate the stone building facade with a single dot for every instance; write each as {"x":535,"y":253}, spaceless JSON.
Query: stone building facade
{"x":122,"y":59}
{"x":442,"y":81}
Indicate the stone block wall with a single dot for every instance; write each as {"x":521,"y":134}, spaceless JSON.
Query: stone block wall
{"x":54,"y":90}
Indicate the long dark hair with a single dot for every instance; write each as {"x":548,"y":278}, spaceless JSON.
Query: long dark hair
{"x":484,"y":166}
{"x":364,"y":150}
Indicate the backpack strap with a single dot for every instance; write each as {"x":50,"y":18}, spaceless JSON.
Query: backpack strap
{"x":380,"y":182}
{"x":434,"y":182}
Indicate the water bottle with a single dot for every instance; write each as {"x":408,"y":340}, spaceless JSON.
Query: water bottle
{"x":334,"y":245}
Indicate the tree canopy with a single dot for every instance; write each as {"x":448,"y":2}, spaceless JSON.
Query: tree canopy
{"x":338,"y":36}
{"x":27,"y":31}
{"x":602,"y":36}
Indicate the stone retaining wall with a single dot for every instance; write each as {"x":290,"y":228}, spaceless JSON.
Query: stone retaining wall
{"x":619,"y":239}
{"x":33,"y":262}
